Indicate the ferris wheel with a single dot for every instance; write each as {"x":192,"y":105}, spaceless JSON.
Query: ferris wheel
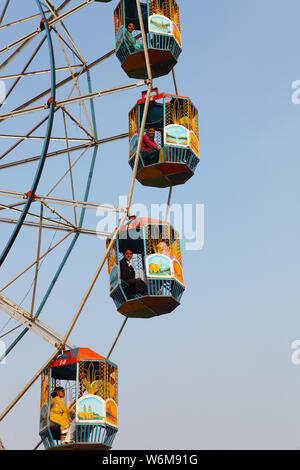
{"x":48,"y":153}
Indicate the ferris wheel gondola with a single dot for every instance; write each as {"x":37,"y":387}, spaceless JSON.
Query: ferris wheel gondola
{"x":174,"y":120}
{"x":155,"y":283}
{"x":90,"y":387}
{"x":161,"y":22}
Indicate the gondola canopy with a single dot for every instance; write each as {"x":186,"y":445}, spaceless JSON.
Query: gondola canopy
{"x":162,"y":27}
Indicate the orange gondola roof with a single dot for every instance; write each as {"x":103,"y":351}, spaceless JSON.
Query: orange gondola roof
{"x":75,"y":355}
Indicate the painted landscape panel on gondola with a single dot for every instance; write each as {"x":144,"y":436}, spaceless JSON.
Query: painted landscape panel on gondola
{"x":90,"y":408}
{"x":160,"y":24}
{"x":158,"y":266}
{"x":176,"y":135}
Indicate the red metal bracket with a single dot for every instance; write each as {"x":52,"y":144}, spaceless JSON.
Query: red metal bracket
{"x":50,"y":101}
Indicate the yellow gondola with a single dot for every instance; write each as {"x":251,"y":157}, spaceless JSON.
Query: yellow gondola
{"x":162,"y":27}
{"x":158,"y":282}
{"x":79,"y":402}
{"x":174,"y":120}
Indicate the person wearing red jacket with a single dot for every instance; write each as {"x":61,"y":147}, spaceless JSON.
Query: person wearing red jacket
{"x":150,"y":151}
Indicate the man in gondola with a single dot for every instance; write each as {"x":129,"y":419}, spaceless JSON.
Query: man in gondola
{"x":135,"y":285}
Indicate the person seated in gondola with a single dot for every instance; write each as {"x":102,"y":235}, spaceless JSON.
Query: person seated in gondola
{"x":130,"y":39}
{"x":150,"y":150}
{"x":163,"y":249}
{"x":62,"y":416}
{"x":135,"y":285}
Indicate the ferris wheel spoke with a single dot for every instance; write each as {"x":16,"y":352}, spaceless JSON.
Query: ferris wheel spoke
{"x":82,"y":204}
{"x":35,"y":216}
{"x":64,"y":201}
{"x":75,"y":82}
{"x":4,"y":11}
{"x":121,"y":222}
{"x":75,"y":85}
{"x":65,"y":111}
{"x":66,"y":80}
{"x":20,"y":21}
{"x":16,"y":52}
{"x":34,"y":263}
{"x":75,"y":78}
{"x":25,"y":137}
{"x":51,"y":226}
{"x":22,"y":316}
{"x":70,"y":12}
{"x":79,"y":55}
{"x":73,"y":50}
{"x":68,"y":171}
{"x":98,"y":94}
{"x":170,"y":193}
{"x":24,"y":40}
{"x":54,"y":211}
{"x":25,"y":68}
{"x":42,"y":223}
{"x":10,"y":331}
{"x":57,"y":153}
{"x":30,"y":383}
{"x":29,"y":36}
{"x":20,"y":48}
{"x":76,"y":99}
{"x":37,"y":261}
{"x":23,"y":112}
{"x":36,"y":137}
{"x":60,"y":228}
{"x":25,"y":321}
{"x":175,"y":82}
{"x":38,"y":72}
{"x":12,"y":206}
{"x":116,"y":339}
{"x":70,"y":167}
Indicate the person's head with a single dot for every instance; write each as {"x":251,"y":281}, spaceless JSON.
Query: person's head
{"x":162,"y":246}
{"x":128,"y":254}
{"x":151,"y":132}
{"x":131,"y":27}
{"x":58,"y":392}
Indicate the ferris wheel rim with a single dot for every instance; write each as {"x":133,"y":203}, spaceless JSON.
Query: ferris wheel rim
{"x":42,"y":159}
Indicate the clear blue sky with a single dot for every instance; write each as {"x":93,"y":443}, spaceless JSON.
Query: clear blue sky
{"x":225,"y":354}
